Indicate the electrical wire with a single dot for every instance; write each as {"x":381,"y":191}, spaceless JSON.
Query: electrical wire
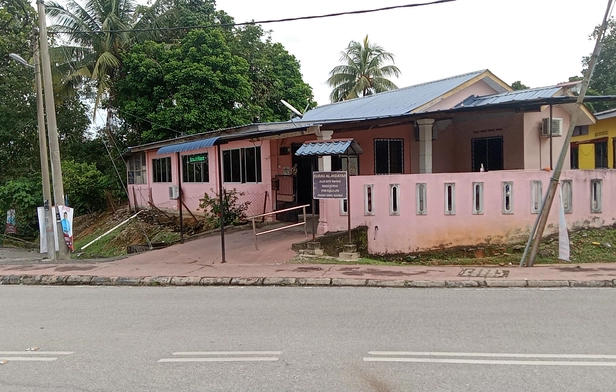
{"x":268,"y":21}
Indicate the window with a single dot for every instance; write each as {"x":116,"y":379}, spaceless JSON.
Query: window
{"x":136,"y":169}
{"x":575,"y":157}
{"x":388,"y":155}
{"x":601,"y":155}
{"x":595,"y":195}
{"x":487,"y":151}
{"x":507,"y":197}
{"x":394,"y":199}
{"x":477,"y":198}
{"x":161,"y":168}
{"x":195,"y":168}
{"x":580,"y":130}
{"x":450,"y":198}
{"x":242,"y":165}
{"x":422,"y":198}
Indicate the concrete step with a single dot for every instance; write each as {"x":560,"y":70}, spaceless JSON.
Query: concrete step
{"x":348,"y":256}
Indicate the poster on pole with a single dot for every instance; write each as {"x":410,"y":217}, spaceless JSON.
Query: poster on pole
{"x":66,"y":216}
{"x":43,"y":233}
{"x":329,"y":185}
{"x":11,"y":227}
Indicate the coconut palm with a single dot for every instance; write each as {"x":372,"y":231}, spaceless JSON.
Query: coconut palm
{"x":98,"y":32}
{"x":363,"y":71}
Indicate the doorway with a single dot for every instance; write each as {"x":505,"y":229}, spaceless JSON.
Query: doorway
{"x":487,"y":151}
{"x":303,"y":178}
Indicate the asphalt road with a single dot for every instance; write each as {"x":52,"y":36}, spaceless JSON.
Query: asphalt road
{"x":306,"y":339}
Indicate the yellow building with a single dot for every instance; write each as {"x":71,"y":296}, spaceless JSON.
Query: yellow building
{"x":592,"y":146}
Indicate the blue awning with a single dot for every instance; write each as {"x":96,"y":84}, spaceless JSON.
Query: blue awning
{"x":189,"y":146}
{"x":329,"y":147}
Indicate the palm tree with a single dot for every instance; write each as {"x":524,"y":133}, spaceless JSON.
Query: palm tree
{"x":98,"y":32}
{"x":363,"y":71}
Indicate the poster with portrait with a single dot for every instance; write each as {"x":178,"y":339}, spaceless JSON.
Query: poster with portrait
{"x":66,"y":218}
{"x":11,"y":227}
{"x":43,"y":230}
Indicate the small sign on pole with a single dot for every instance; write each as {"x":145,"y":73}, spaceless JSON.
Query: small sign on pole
{"x":329,"y":185}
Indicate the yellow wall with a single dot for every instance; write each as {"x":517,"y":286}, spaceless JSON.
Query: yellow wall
{"x":603,"y":128}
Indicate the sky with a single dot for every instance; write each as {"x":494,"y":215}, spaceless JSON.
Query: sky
{"x":539,"y":42}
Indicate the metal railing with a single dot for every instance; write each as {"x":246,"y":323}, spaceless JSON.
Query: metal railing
{"x":254,"y":225}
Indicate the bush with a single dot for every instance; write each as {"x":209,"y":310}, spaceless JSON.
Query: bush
{"x":84,"y":186}
{"x":234,"y":213}
{"x":23,"y":195}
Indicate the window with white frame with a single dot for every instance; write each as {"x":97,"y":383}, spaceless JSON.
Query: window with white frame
{"x":195,"y":168}
{"x":242,"y":165}
{"x":161,"y":169}
{"x":388,"y":156}
{"x":136,"y":169}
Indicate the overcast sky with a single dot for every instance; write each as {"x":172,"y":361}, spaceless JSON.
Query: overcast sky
{"x":539,"y":42}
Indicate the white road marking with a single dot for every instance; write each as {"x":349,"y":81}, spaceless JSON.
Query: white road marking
{"x":228,"y":353}
{"x":225,"y":359}
{"x":227,"y":356}
{"x":491,"y":355}
{"x":31,"y":359}
{"x":490,"y":362}
{"x":36,"y":352}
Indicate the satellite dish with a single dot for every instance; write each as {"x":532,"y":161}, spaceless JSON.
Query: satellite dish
{"x":291,"y":108}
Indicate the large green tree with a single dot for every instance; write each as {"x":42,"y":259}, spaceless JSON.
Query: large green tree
{"x":603,"y":81}
{"x":363,"y":71}
{"x":192,"y":87}
{"x":99,"y":31}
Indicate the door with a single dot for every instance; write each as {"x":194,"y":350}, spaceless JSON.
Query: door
{"x":303,"y":178}
{"x":487,"y":151}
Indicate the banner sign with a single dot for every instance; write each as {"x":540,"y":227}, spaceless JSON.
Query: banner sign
{"x":11,"y":227}
{"x":329,"y":185}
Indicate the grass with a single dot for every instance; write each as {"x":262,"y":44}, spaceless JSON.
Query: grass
{"x":587,"y":245}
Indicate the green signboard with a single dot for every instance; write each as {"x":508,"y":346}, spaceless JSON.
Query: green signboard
{"x":197,"y":158}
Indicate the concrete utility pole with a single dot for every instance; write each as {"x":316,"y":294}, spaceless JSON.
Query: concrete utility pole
{"x":551,"y":192}
{"x":40,"y":114}
{"x":54,"y":146}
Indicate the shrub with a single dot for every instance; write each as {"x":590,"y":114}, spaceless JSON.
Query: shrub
{"x":235,"y":213}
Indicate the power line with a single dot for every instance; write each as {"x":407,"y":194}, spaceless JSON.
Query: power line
{"x":258,"y":22}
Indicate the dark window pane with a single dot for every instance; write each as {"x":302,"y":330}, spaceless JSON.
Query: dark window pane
{"x":381,"y":157}
{"x":250,"y":169}
{"x":236,"y":167}
{"x":258,"y":160}
{"x":395,"y":157}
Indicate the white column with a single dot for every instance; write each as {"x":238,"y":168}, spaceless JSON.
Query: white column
{"x":325,"y":164}
{"x":425,"y":145}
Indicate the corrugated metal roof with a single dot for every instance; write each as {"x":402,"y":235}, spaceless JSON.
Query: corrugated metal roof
{"x":512,"y":96}
{"x":390,"y":103}
{"x":329,"y":147}
{"x":606,"y":114}
{"x":189,"y":146}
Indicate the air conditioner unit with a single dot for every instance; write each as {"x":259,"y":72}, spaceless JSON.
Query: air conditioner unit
{"x":557,"y":127}
{"x":174,"y":192}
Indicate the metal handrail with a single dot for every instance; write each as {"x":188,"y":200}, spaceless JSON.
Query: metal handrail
{"x":254,"y":225}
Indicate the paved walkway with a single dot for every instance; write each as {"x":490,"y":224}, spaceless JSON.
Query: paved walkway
{"x":199,"y":262}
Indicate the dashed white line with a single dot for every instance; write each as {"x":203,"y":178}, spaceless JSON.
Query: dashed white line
{"x":490,"y":362}
{"x":493,"y":355}
{"x":228,"y":353}
{"x":36,"y":352}
{"x":225,"y":359}
{"x":223,"y":356}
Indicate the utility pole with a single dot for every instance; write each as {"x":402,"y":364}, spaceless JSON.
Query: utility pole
{"x":54,"y":146}
{"x":551,"y":192}
{"x":40,"y":114}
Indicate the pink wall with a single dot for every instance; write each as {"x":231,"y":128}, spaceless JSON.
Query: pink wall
{"x":409,"y":232}
{"x":192,"y":192}
{"x":536,"y":148}
{"x":479,"y":88}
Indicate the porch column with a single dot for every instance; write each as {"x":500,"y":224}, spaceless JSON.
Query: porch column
{"x":425,"y":145}
{"x":325,"y":164}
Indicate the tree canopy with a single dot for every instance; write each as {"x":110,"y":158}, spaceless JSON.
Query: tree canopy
{"x":363,"y":71}
{"x":603,"y":81}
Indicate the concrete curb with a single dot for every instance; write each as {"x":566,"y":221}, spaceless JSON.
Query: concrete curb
{"x":89,"y":280}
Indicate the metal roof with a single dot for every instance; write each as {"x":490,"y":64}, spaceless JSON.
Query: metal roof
{"x":606,"y":114}
{"x":189,"y":146}
{"x":329,"y":147}
{"x":510,"y":97}
{"x":391,"y":103}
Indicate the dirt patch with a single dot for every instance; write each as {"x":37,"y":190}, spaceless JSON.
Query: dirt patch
{"x":307,"y":269}
{"x":75,"y":268}
{"x":378,"y":272}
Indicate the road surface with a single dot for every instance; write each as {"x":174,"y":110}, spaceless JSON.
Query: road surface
{"x":306,"y":339}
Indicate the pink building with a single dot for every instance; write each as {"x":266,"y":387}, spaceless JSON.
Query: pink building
{"x":418,"y":183}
